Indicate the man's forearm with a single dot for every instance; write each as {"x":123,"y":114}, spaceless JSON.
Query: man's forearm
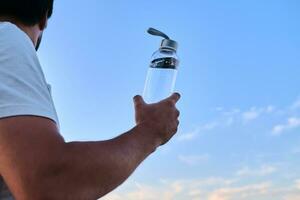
{"x":89,"y":170}
{"x":36,"y":162}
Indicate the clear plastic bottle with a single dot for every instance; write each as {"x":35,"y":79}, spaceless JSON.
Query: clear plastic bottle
{"x":162,"y":73}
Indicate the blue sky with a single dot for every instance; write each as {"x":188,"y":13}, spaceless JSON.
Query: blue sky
{"x":239,"y":80}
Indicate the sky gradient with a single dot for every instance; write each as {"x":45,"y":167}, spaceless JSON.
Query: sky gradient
{"x":239,"y":79}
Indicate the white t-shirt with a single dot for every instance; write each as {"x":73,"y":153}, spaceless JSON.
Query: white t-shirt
{"x":23,"y":87}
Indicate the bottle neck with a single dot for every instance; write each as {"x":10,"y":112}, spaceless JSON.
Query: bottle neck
{"x":167,"y":49}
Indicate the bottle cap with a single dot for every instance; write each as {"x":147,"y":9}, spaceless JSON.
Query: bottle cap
{"x":169,"y":44}
{"x":166,"y":43}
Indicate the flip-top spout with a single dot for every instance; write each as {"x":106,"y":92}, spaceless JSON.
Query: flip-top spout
{"x":166,"y":43}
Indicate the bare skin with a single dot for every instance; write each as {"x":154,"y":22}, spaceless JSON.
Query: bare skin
{"x":37,"y":163}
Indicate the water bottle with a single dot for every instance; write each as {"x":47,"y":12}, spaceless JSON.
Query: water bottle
{"x":162,"y":73}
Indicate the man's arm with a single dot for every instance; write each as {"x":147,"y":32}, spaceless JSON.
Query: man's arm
{"x":37,"y":163}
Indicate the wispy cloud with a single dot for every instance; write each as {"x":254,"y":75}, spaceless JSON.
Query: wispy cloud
{"x":296,"y":104}
{"x":171,"y":190}
{"x":253,"y":191}
{"x":252,"y":114}
{"x":193,"y":159}
{"x":291,"y":123}
{"x":234,"y":187}
{"x":262,"y":171}
{"x":231,"y":113}
{"x":235,"y":117}
{"x":205,"y":189}
{"x":163,"y":190}
{"x":197,"y":131}
{"x":255,"y":113}
{"x":297,"y":184}
{"x":227,"y":118}
{"x":209,"y":126}
{"x":294,"y":194}
{"x":219,"y":109}
{"x":189,"y":135}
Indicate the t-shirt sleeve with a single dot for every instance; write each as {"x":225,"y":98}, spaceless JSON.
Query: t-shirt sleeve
{"x":23,"y":90}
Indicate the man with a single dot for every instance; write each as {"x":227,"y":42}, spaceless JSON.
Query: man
{"x":35,"y":161}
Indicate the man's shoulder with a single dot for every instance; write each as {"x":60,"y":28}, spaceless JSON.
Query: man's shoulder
{"x":14,"y":41}
{"x":17,"y":53}
{"x":23,"y":88}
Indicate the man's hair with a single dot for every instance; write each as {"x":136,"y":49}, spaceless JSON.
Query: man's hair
{"x":28,"y":12}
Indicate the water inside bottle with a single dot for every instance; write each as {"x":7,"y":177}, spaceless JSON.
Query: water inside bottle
{"x":161,"y":79}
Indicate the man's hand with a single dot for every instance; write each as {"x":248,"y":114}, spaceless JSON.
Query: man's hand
{"x":161,"y":117}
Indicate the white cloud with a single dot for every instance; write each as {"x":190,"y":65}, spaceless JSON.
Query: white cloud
{"x":294,"y":194}
{"x":218,"y":189}
{"x":251,"y":114}
{"x":193,"y":159}
{"x":270,"y":109}
{"x":296,"y":104}
{"x":192,"y":189}
{"x":197,"y":131}
{"x":229,"y":121}
{"x":163,"y":190}
{"x":227,"y":118}
{"x":189,"y":136}
{"x":113,"y":196}
{"x":209,"y":126}
{"x":219,"y":109}
{"x":195,"y":192}
{"x":292,"y":197}
{"x":254,"y":112}
{"x":291,"y":123}
{"x":237,"y":115}
{"x":253,"y":191}
{"x":232,"y":112}
{"x":214,"y":181}
{"x":262,"y":171}
{"x":297,"y":184}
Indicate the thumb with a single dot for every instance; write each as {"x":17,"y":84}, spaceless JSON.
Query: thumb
{"x":138,"y":101}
